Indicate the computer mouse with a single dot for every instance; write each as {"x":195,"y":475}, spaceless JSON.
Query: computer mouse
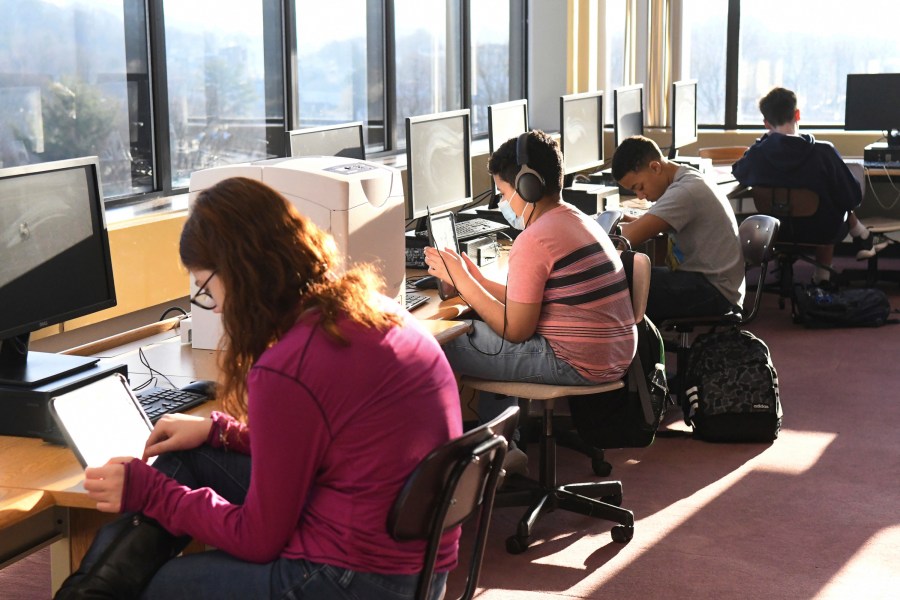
{"x":428,"y":282}
{"x":201,"y":386}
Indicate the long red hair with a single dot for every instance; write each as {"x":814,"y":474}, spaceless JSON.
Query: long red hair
{"x":274,"y":264}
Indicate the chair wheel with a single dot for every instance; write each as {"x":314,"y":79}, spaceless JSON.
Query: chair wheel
{"x":620,"y":533}
{"x":601,"y":467}
{"x":615,"y":499}
{"x":516,"y":544}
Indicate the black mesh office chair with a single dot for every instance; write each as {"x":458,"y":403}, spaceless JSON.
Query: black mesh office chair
{"x":757,"y":234}
{"x":791,"y":206}
{"x":450,"y":485}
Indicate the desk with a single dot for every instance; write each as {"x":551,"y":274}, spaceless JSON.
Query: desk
{"x":42,"y":497}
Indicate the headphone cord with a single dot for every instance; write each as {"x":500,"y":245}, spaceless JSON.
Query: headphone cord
{"x":505,"y":301}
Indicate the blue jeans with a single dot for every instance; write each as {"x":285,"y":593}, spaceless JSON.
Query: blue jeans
{"x":676,"y":294}
{"x":482,"y":353}
{"x":216,"y":574}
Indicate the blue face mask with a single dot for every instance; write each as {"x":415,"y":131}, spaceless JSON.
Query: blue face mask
{"x":515,"y":221}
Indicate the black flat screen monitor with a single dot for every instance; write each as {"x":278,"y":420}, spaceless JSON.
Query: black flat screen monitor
{"x":54,"y":262}
{"x":506,"y":120}
{"x":438,"y":163}
{"x":581,"y":131}
{"x":873,"y":104}
{"x":344,"y":139}
{"x":683,"y":107}
{"x":628,"y":112}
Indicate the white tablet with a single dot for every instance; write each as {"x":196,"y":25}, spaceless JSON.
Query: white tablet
{"x":442,"y":234}
{"x":102,"y":420}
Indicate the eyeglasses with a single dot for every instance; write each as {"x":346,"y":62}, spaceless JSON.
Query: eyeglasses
{"x":202,"y":298}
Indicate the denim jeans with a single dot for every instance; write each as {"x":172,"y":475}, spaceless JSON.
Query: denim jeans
{"x":482,"y":353}
{"x":216,"y":574}
{"x":683,"y":294}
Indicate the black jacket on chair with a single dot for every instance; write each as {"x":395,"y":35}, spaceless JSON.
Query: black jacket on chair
{"x":778,"y":160}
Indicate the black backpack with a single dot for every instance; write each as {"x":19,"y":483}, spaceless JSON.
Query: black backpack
{"x":629,"y":417}
{"x":813,"y":306}
{"x":731,"y":388}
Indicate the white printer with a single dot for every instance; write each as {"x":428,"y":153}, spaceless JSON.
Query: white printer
{"x":359,"y":203}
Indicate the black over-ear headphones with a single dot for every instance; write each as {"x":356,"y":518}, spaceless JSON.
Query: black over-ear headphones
{"x":529,"y":184}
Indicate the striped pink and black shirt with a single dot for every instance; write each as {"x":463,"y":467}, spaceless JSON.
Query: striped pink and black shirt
{"x":565,"y":261}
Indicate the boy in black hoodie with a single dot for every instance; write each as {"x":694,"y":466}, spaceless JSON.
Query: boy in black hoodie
{"x":785,"y":158}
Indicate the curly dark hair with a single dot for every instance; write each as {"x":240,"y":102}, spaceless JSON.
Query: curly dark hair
{"x":544,"y":156}
{"x":274,"y":264}
{"x":633,"y":154}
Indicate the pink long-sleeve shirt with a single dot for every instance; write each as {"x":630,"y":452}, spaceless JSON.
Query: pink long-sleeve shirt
{"x":335,"y":432}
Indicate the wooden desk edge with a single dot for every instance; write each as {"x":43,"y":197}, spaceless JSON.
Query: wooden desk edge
{"x":18,"y":504}
{"x":444,"y":331}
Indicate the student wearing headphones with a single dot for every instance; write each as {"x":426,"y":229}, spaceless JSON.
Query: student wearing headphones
{"x":564,"y":314}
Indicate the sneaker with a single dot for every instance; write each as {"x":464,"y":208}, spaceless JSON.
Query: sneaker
{"x":826,"y":285}
{"x":867,"y":248}
{"x":515,"y":462}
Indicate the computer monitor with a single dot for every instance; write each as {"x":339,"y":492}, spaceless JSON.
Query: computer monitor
{"x":506,"y":120}
{"x":628,"y":112}
{"x":54,"y":262}
{"x":344,"y":139}
{"x":438,"y":163}
{"x":683,"y":108}
{"x":581,"y":131}
{"x":872,"y":104}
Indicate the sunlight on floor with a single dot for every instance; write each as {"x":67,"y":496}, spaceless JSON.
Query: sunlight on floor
{"x":875,"y":564}
{"x":805,"y":449}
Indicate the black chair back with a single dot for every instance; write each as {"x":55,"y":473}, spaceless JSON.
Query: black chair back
{"x":758,"y":234}
{"x":450,"y":485}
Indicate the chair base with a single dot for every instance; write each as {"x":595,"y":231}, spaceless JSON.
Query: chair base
{"x":600,"y":499}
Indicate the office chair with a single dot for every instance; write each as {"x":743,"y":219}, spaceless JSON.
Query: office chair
{"x":609,"y":219}
{"x":757,"y":234}
{"x":790,"y":206}
{"x":449,"y":486}
{"x":601,"y":500}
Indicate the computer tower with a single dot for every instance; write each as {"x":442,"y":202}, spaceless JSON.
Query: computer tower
{"x":24,"y":411}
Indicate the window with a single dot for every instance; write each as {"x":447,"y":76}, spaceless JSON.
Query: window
{"x":158,"y":90}
{"x":704,"y":37}
{"x":73,"y":82}
{"x":216,"y":66}
{"x":339,"y":69}
{"x":779,"y":46}
{"x":428,"y":60}
{"x":491,"y":31}
{"x":615,"y":50}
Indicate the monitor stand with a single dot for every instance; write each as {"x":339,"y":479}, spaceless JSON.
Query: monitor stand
{"x":21,"y":368}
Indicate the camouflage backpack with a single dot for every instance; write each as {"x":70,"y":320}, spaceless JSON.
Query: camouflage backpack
{"x":731,"y":388}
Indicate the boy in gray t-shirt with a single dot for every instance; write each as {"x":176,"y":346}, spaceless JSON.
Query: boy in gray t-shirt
{"x":709,"y":277}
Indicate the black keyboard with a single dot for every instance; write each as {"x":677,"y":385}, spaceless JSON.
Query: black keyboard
{"x":415,"y":258}
{"x":477,"y":227}
{"x":413,"y":300}
{"x":881,"y":164}
{"x":157,"y":401}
